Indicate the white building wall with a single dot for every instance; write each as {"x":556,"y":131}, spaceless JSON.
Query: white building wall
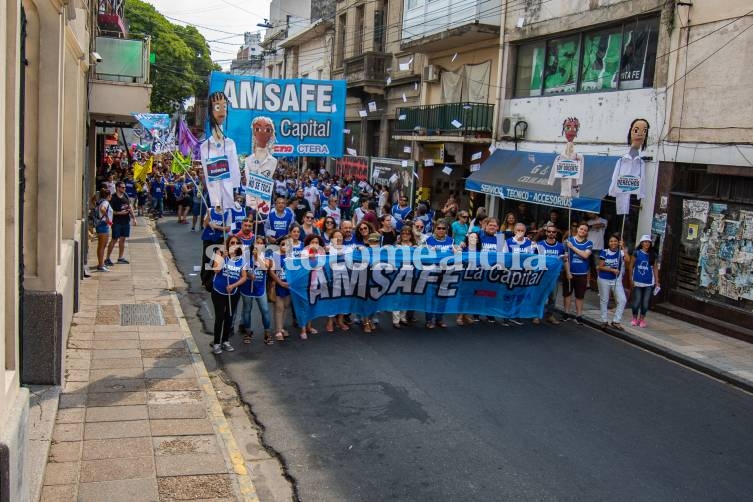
{"x":604,"y":123}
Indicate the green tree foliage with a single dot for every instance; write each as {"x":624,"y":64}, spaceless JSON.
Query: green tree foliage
{"x":182,"y":55}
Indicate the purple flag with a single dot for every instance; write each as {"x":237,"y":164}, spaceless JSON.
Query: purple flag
{"x":187,"y":142}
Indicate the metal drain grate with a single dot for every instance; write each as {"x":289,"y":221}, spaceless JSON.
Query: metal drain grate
{"x":141,"y":314}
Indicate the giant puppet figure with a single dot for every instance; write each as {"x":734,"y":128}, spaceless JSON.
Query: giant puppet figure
{"x":628,"y":173}
{"x":219,"y":157}
{"x":261,"y":161}
{"x":568,"y":166}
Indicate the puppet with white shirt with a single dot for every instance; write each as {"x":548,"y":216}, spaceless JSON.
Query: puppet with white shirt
{"x":630,"y":169}
{"x":568,"y":166}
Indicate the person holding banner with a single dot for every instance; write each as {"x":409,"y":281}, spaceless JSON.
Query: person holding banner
{"x":442,"y":243}
{"x":579,"y":249}
{"x":551,"y":246}
{"x":219,"y":157}
{"x":406,"y":240}
{"x":337,"y":249}
{"x":229,"y":273}
{"x":282,"y":288}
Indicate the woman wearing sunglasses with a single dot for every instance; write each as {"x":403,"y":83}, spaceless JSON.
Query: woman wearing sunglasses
{"x":229,"y":273}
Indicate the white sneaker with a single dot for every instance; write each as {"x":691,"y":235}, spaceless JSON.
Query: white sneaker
{"x":227,"y":347}
{"x":217,"y":348}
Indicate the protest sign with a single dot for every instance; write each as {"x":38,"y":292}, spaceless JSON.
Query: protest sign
{"x":308,"y":115}
{"x":387,"y":279}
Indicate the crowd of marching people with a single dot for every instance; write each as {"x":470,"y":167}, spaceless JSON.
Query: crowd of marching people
{"x":320,"y":213}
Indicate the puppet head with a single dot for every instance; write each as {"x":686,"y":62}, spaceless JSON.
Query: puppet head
{"x":263,"y":132}
{"x":638,"y":134}
{"x":570,"y":128}
{"x":217,"y":111}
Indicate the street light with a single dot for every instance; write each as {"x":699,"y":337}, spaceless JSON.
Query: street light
{"x":265,"y":24}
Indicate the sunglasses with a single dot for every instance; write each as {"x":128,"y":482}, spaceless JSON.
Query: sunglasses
{"x":308,"y":217}
{"x":441,"y":228}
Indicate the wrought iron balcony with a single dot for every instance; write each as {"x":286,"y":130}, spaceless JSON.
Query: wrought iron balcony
{"x":369,"y":68}
{"x":452,"y":119}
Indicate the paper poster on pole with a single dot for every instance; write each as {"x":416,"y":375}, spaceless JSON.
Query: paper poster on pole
{"x":258,"y":189}
{"x":568,"y":168}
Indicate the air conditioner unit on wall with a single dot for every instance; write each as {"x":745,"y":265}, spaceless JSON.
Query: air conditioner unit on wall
{"x":507,"y":126}
{"x":431,"y":73}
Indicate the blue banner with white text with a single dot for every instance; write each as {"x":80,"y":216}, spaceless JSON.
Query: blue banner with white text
{"x":505,"y":285}
{"x":308,"y":115}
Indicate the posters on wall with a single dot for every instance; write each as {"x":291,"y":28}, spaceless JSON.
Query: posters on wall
{"x":352,"y":167}
{"x":396,"y":174}
{"x":723,"y":235}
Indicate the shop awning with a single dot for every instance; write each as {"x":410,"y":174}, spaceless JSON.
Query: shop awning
{"x":524,"y":176}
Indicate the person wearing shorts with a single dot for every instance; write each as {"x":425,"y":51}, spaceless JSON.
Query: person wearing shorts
{"x":121,"y":223}
{"x":579,"y":250}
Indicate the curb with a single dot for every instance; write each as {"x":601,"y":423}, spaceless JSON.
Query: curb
{"x":672,"y":355}
{"x":216,"y":415}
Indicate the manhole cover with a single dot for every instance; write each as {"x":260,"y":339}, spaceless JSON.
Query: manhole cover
{"x":141,"y":314}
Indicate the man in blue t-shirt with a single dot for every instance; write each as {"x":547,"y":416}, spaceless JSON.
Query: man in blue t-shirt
{"x":279,"y":221}
{"x":158,"y":195}
{"x":577,"y":266}
{"x":550,"y":246}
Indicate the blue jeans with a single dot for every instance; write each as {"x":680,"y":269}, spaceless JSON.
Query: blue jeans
{"x":158,"y":204}
{"x":640,"y":297}
{"x":247,"y":306}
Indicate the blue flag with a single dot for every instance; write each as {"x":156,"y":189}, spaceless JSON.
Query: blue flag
{"x":495,"y":284}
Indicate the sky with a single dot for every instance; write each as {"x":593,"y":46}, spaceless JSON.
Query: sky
{"x":231,"y":17}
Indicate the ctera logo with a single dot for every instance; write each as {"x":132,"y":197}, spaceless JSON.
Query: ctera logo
{"x":313,"y":149}
{"x":282,"y":149}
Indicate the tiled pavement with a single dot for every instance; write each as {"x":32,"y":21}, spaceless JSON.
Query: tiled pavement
{"x":138,"y":419}
{"x":721,"y":356}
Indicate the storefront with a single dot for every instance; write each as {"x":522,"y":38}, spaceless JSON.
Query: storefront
{"x":518,"y":177}
{"x":708,"y":253}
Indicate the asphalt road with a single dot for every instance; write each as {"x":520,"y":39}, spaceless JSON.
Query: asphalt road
{"x":483,"y":413}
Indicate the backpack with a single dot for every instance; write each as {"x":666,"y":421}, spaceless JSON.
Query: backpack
{"x":94,"y":217}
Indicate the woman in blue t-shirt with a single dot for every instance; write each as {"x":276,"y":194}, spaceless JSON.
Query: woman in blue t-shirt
{"x":229,"y":274}
{"x":611,"y":267}
{"x":644,"y":275}
{"x":254,"y":290}
{"x":282,"y":288}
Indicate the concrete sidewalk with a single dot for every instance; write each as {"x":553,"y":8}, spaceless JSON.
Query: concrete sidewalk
{"x":138,"y":418}
{"x":720,"y":356}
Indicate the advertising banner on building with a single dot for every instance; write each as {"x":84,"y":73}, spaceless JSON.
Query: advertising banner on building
{"x":388,"y":279}
{"x":352,"y":167}
{"x":395,"y":174}
{"x":308,"y":115}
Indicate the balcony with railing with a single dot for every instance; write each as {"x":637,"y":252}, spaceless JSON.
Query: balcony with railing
{"x":453,"y":119}
{"x":366,"y":70}
{"x":111,"y":17}
{"x":120,"y":77}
